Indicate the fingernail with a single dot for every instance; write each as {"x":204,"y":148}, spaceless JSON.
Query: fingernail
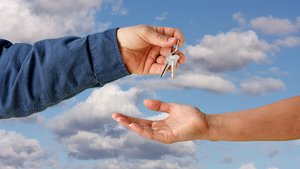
{"x":171,"y":39}
{"x":113,"y":117}
{"x":130,"y":125}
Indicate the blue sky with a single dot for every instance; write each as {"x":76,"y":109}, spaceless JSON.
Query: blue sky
{"x":240,"y":55}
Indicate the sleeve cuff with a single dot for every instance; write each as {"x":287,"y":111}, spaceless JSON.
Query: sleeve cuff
{"x":106,"y":58}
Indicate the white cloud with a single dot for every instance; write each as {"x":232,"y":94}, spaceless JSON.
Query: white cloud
{"x":230,"y":51}
{"x":271,"y":25}
{"x":239,"y":18}
{"x":260,"y":86}
{"x":49,"y":6}
{"x":169,"y":163}
{"x":275,"y":70}
{"x":34,"y":119}
{"x":162,"y":16}
{"x":29,"y":21}
{"x":212,"y":83}
{"x":18,"y":152}
{"x":93,"y":145}
{"x":117,"y":8}
{"x":7,"y":137}
{"x":65,"y":103}
{"x":289,"y":42}
{"x":248,"y":166}
{"x":88,"y":131}
{"x":97,"y":108}
{"x":161,"y":116}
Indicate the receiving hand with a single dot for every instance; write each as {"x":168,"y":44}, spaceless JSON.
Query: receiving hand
{"x":143,"y":48}
{"x":184,"y":123}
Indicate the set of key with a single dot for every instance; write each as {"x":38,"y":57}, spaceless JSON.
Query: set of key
{"x":171,"y":60}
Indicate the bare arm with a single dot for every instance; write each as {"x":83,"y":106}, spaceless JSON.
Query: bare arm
{"x":274,"y":122}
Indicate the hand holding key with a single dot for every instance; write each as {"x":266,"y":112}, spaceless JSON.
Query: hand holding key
{"x":143,"y":48}
{"x":171,"y":60}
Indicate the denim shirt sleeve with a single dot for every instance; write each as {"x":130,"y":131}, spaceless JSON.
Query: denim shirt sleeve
{"x":34,"y":77}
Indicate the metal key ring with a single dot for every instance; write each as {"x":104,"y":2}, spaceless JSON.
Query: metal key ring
{"x":176,"y":47}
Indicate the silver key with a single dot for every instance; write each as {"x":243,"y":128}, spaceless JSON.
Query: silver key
{"x":171,"y":60}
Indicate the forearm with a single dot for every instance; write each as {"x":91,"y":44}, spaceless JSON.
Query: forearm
{"x":34,"y":77}
{"x":274,"y":122}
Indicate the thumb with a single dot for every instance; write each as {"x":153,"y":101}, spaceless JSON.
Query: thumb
{"x":157,"y":105}
{"x":158,"y":39}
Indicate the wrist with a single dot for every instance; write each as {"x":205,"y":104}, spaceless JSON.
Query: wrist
{"x":126,"y":54}
{"x":227,"y":127}
{"x":213,"y":127}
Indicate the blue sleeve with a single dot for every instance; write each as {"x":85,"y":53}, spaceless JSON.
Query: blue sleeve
{"x":34,"y":77}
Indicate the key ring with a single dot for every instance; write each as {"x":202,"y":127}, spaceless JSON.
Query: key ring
{"x":176,"y":48}
{"x":177,"y":45}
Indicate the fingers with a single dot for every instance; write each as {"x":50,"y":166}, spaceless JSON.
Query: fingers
{"x":125,"y":120}
{"x":129,"y":122}
{"x":182,"y":57}
{"x":165,"y":51}
{"x":156,"y":64}
{"x":161,"y":59}
{"x":172,"y":33}
{"x":157,"y":105}
{"x":163,"y":36}
{"x":139,"y":126}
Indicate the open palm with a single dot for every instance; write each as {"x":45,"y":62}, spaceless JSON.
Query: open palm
{"x":184,"y":123}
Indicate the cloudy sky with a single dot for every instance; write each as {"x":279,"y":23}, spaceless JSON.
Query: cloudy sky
{"x":240,"y":55}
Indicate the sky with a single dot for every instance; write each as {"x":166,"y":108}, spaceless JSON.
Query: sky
{"x":239,"y":55}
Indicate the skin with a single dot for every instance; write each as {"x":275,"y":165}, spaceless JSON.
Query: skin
{"x":143,"y":48}
{"x":278,"y":121}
